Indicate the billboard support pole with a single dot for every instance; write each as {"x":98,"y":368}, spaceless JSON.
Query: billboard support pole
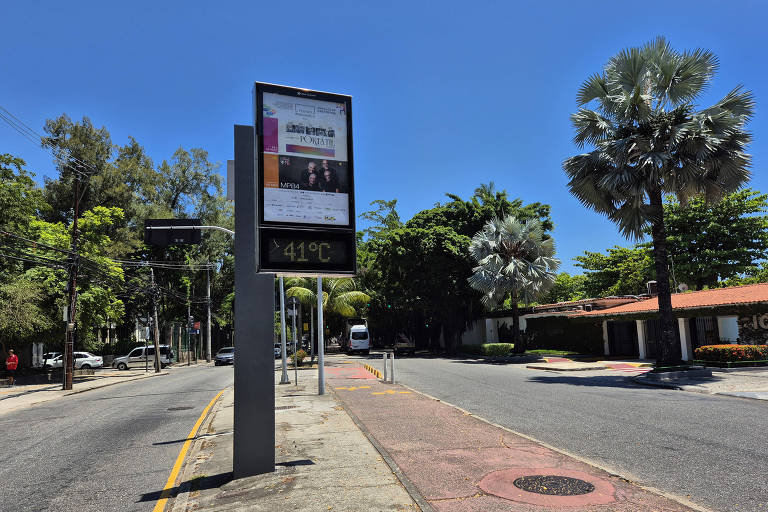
{"x":320,"y":340}
{"x":254,"y":411}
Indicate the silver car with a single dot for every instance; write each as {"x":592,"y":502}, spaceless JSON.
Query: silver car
{"x":137,"y":357}
{"x":83,"y":361}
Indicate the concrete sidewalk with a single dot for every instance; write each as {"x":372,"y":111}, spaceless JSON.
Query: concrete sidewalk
{"x":323,"y":461}
{"x":740,"y":382}
{"x":19,"y":397}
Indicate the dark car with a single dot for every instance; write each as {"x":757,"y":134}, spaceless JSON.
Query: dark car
{"x":225,"y":355}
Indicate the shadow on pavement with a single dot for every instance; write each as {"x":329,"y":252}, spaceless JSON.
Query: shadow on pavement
{"x":195,"y":484}
{"x":604,"y":381}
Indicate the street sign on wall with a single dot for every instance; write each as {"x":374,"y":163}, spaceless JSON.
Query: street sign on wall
{"x":305,"y":181}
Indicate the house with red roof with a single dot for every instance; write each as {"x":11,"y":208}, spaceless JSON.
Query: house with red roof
{"x":628,"y":326}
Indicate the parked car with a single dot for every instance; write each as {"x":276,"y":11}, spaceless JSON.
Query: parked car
{"x":404,"y":344}
{"x":278,"y":351}
{"x":225,"y":355}
{"x":83,"y":361}
{"x":137,"y":357}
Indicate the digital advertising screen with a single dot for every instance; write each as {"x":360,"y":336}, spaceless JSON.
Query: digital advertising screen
{"x":305,"y":180}
{"x":306,"y":165}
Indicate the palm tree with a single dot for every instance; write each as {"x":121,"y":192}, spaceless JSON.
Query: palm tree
{"x":513,"y":258}
{"x":649,"y":140}
{"x":340,"y":296}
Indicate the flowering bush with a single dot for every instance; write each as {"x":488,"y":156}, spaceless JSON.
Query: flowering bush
{"x":728,"y":353}
{"x":300,"y":355}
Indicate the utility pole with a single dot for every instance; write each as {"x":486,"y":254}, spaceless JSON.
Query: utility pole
{"x":69,"y":346}
{"x":157,"y":327}
{"x":208,"y":327}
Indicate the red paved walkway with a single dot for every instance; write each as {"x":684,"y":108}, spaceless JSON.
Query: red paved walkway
{"x":460,"y":463}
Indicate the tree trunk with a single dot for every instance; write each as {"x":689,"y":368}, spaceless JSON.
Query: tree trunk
{"x":516,"y":338}
{"x":667,"y":354}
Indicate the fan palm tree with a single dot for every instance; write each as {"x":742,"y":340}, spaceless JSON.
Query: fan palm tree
{"x":513,"y":258}
{"x":649,"y":140}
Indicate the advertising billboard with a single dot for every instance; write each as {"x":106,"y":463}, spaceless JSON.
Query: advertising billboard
{"x":305,"y":180}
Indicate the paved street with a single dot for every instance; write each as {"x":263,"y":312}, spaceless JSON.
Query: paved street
{"x":710,"y":449}
{"x":106,"y":449}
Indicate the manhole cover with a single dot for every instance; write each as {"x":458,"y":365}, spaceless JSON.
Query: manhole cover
{"x":180,"y":408}
{"x":284,"y":407}
{"x":553,"y":485}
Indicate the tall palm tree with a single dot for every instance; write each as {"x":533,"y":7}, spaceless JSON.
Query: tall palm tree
{"x":649,"y":140}
{"x":513,"y":258}
{"x":340,"y":296}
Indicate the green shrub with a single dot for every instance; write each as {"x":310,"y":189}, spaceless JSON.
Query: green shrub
{"x":729,"y":353}
{"x":300,"y":356}
{"x":488,"y":349}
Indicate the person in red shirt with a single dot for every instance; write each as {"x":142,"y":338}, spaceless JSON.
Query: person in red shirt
{"x":10,"y":365}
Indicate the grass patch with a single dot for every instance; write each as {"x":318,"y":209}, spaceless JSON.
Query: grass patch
{"x":488,"y":349}
{"x":548,"y":352}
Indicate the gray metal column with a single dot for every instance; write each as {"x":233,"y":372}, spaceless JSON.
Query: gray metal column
{"x":254,"y":432}
{"x":320,"y":340}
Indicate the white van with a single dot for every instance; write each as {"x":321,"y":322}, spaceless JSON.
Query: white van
{"x":137,"y":358}
{"x":359,"y":340}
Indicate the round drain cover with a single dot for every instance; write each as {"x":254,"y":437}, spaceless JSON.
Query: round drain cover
{"x":553,"y":485}
{"x":180,"y":408}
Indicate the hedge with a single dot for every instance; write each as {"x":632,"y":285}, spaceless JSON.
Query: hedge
{"x":729,"y":353}
{"x":488,"y":349}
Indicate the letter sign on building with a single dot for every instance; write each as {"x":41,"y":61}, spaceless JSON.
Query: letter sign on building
{"x":305,"y":181}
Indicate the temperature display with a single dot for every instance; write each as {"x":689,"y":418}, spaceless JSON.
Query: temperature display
{"x":306,"y":251}
{"x":287,"y":250}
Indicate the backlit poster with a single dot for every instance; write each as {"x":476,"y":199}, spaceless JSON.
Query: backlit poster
{"x":306,"y":163}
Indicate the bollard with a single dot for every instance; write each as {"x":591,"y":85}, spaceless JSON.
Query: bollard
{"x":384,"y":357}
{"x":392,"y":369}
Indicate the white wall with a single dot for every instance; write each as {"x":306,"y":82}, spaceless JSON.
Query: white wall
{"x":728,"y":327}
{"x":475,"y":334}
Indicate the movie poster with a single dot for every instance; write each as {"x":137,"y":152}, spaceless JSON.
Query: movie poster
{"x":306,"y":173}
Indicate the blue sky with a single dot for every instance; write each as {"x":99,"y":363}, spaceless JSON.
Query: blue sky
{"x":446,"y":95}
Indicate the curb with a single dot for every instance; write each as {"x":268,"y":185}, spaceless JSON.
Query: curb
{"x":107,"y":384}
{"x":404,"y":480}
{"x":373,"y":370}
{"x":611,"y":472}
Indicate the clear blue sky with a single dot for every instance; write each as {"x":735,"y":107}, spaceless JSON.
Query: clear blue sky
{"x":447,"y":95}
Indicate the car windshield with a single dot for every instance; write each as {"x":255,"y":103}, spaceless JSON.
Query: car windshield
{"x":227,"y":351}
{"x":360,"y":335}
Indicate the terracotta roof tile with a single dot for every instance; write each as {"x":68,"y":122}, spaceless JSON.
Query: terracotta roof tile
{"x":734,"y":295}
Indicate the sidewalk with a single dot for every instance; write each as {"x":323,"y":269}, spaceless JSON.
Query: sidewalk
{"x":740,"y":382}
{"x":323,"y":461}
{"x":373,"y":446}
{"x":19,"y":397}
{"x":458,"y":462}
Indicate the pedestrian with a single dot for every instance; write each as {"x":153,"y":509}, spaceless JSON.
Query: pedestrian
{"x":10,"y":365}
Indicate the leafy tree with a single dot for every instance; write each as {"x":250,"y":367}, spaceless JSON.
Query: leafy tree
{"x":417,"y":273}
{"x":620,"y":271}
{"x":566,"y":288}
{"x":709,"y":242}
{"x":513,"y":258}
{"x":650,"y":140}
{"x":22,"y":313}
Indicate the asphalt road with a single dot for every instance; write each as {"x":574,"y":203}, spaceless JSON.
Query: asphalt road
{"x":106,"y":449}
{"x":711,"y":449}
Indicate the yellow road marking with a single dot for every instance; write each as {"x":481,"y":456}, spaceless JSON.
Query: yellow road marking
{"x":390,"y":392}
{"x":355,"y":388}
{"x":160,"y":505}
